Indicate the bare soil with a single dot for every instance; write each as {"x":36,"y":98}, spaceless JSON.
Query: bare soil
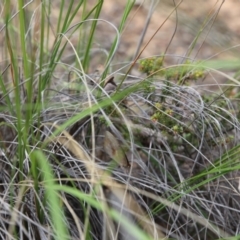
{"x":219,"y":21}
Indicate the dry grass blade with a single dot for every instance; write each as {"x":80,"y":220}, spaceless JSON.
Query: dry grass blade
{"x":113,"y":148}
{"x":103,"y":177}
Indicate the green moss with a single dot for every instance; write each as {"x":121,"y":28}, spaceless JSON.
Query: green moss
{"x":151,"y":66}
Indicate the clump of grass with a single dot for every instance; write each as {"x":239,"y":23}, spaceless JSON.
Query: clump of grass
{"x":150,"y":160}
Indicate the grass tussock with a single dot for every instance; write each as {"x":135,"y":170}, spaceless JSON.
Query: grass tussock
{"x":94,"y":148}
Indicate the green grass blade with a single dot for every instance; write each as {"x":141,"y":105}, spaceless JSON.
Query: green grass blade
{"x":51,"y":195}
{"x":86,"y":58}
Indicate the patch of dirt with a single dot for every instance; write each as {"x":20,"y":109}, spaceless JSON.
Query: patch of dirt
{"x":217,"y":21}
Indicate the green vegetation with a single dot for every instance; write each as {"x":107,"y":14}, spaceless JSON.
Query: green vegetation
{"x":87,"y":154}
